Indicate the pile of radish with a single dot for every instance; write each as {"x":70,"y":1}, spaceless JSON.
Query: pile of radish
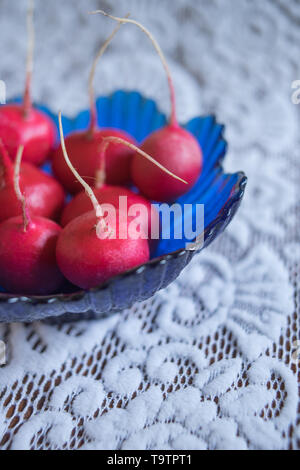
{"x":57,"y":230}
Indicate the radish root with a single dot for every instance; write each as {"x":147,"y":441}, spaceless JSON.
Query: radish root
{"x":173,"y":119}
{"x":93,"y":72}
{"x":101,"y":173}
{"x":18,"y":192}
{"x":30,"y":52}
{"x":118,"y":140}
{"x":88,"y":189}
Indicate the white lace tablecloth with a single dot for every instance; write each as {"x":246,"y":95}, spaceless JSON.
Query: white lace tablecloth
{"x":210,"y":362}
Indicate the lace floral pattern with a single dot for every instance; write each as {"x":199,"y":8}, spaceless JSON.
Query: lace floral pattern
{"x":210,"y":362}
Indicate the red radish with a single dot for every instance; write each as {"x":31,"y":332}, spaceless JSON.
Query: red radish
{"x":89,"y":249}
{"x":87,"y":261}
{"x":83,"y":150}
{"x":172,"y":146}
{"x":27,"y":250}
{"x":21,"y":124}
{"x":44,"y":195}
{"x":176,"y":149}
{"x":107,"y":194}
{"x":82,"y":146}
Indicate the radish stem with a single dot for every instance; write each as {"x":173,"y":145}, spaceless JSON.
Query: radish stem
{"x":173,"y":118}
{"x":93,"y":109}
{"x":88,"y":189}
{"x":18,"y":192}
{"x":29,"y":61}
{"x":118,"y":140}
{"x":101,"y":173}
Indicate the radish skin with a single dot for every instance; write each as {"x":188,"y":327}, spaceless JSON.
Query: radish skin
{"x":44,"y":195}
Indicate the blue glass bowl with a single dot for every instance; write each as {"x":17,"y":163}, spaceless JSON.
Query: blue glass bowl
{"x":220,"y":193}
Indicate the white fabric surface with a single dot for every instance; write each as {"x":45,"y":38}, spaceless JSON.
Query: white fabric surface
{"x":207,"y":363}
